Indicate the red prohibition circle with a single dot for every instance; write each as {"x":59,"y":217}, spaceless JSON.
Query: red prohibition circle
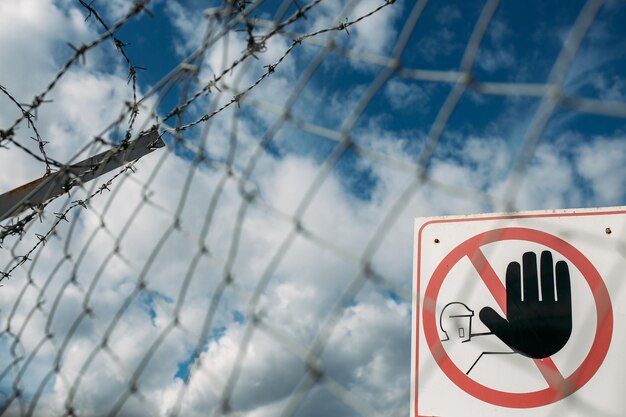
{"x":560,"y":387}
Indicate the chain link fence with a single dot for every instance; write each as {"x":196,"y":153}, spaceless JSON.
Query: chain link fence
{"x":259,"y":263}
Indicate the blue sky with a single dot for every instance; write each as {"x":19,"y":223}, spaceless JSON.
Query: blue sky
{"x":130,"y":236}
{"x":521,"y":45}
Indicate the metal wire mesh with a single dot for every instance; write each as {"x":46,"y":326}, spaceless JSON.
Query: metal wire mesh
{"x":223,"y":275}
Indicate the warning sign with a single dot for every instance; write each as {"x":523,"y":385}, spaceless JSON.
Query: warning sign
{"x":520,"y":314}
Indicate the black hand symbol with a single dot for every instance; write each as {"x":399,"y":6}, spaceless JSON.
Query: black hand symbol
{"x":533,"y":327}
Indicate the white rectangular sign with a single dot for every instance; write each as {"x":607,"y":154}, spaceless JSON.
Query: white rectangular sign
{"x":520,"y":314}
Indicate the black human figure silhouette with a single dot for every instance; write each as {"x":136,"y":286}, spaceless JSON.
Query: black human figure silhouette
{"x":534,"y":327}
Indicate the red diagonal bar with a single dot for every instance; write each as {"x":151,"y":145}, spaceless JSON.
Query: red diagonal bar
{"x":551,"y":373}
{"x":489,"y":277}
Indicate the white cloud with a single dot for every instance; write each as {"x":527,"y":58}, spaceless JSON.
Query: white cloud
{"x":378,"y":32}
{"x":601,"y":163}
{"x":374,"y":34}
{"x":496,"y":54}
{"x":117,"y":9}
{"x":493,"y":60}
{"x":448,"y":14}
{"x":187,"y":23}
{"x":406,"y":96}
{"x":609,"y":88}
{"x":441,"y":43}
{"x":85,"y":98}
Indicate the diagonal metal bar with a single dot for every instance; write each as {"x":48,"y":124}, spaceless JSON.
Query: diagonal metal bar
{"x":50,"y":186}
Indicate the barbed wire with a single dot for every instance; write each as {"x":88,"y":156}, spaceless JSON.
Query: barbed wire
{"x":39,"y":254}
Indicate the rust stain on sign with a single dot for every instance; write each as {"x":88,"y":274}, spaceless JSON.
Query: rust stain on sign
{"x":27,"y":187}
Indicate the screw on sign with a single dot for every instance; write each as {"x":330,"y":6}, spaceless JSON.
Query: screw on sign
{"x":532,"y":315}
